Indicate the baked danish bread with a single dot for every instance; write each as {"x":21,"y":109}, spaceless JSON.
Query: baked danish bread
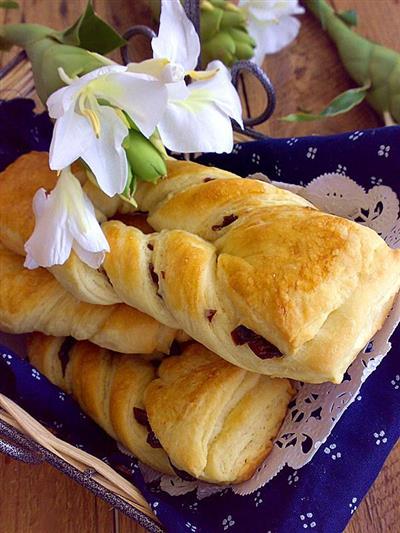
{"x":32,"y":300}
{"x":280,"y":289}
{"x":201,"y":416}
{"x":213,"y":419}
{"x":253,"y":272}
{"x":109,"y":388}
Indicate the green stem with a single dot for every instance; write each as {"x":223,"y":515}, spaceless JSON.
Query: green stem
{"x":22,"y":34}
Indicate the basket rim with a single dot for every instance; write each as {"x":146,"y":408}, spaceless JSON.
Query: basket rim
{"x":21,"y":445}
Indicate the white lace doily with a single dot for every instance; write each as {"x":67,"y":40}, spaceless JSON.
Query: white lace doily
{"x":317,"y":408}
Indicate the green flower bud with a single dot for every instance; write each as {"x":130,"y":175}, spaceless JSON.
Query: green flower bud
{"x":145,"y":161}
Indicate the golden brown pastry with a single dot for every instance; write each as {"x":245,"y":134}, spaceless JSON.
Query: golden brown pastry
{"x":32,"y":300}
{"x":253,"y":272}
{"x":109,"y":388}
{"x":213,"y":421}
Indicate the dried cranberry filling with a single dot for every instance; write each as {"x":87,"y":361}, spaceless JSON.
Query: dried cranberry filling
{"x":150,"y":246}
{"x":242,"y":335}
{"x":154,"y":275}
{"x":141,"y":417}
{"x":225,"y":222}
{"x":206,"y":180}
{"x":210,"y":314}
{"x":152,"y":440}
{"x":257,"y":344}
{"x":64,"y":351}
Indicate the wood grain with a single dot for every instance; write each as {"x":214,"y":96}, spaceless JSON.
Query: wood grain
{"x":39,"y":499}
{"x":307,"y":74}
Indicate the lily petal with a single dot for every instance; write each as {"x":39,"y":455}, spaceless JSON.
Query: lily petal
{"x":151,"y":67}
{"x":220,"y":90}
{"x":64,"y":219}
{"x":98,"y":72}
{"x":271,"y":10}
{"x":93,"y":259}
{"x":177,"y":39}
{"x":60,"y":101}
{"x":71,"y":136}
{"x":274,"y":37}
{"x":83,"y":224}
{"x":105,"y":154}
{"x":195,"y":124}
{"x":50,"y":243}
{"x":143,"y":97}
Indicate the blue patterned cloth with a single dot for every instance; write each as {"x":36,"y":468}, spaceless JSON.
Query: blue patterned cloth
{"x":324,"y":494}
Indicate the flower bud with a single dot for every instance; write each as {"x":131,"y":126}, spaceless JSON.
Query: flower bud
{"x":145,"y":161}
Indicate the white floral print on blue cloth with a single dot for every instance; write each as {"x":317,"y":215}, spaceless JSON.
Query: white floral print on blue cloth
{"x":293,"y":501}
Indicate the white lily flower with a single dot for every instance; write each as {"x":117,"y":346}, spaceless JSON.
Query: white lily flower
{"x":90,"y":123}
{"x":271,"y":24}
{"x":197,"y":115}
{"x":197,"y":118}
{"x":65,"y":220}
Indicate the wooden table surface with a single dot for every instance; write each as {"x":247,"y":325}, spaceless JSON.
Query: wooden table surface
{"x":38,"y":499}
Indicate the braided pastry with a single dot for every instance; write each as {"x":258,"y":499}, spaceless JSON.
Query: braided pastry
{"x":32,"y":300}
{"x":108,"y":388}
{"x":254,"y":273}
{"x":202,"y":416}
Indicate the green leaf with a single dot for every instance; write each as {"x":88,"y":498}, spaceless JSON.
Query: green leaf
{"x":91,"y":33}
{"x":9,"y":4}
{"x":343,"y":103}
{"x":349,"y":17}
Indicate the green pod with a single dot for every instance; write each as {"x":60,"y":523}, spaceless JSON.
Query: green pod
{"x":145,"y":161}
{"x":364,"y":60}
{"x":48,"y":49}
{"x":223,"y":33}
{"x":232,"y":19}
{"x":243,"y":51}
{"x":241,"y":36}
{"x":210,"y":24}
{"x":47,"y":56}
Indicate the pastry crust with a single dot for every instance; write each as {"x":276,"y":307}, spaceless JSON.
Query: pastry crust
{"x":107,"y":387}
{"x":213,"y":420}
{"x":291,"y":291}
{"x":32,"y":300}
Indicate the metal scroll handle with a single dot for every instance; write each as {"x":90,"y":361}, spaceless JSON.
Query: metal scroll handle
{"x":236,"y":71}
{"x":193,"y":11}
